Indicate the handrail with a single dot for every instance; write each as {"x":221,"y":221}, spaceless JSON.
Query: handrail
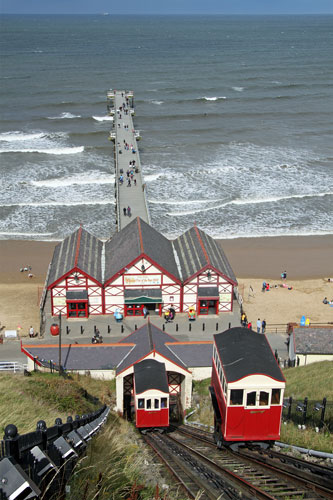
{"x":15,"y":366}
{"x":42,"y":461}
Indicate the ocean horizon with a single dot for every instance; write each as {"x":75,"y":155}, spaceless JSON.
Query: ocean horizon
{"x":234,"y":114}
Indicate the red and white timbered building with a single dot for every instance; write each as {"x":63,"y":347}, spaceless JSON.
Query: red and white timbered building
{"x":207,"y":277}
{"x":75,"y":276}
{"x":139,"y":268}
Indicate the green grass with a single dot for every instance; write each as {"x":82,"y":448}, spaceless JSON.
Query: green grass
{"x":314,"y":381}
{"x":117,"y":463}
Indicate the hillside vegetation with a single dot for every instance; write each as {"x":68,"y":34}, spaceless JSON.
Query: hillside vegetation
{"x":117,"y":464}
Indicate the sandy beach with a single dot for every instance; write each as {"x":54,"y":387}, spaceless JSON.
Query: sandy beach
{"x":307,"y":260}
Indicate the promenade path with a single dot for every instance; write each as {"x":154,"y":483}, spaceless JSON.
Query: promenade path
{"x":134,"y":196}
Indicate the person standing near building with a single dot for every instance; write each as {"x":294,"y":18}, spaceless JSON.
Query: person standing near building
{"x":145,"y":312}
{"x":31,"y":332}
{"x":258,"y":325}
{"x":263,"y":326}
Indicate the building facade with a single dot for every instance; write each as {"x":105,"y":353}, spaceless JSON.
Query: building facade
{"x":139,"y":269}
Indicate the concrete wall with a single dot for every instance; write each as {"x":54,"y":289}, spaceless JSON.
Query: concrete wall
{"x":307,"y":359}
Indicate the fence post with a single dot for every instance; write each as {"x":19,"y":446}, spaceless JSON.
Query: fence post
{"x":189,"y":327}
{"x":289,"y":409}
{"x":203,"y":327}
{"x":322,"y":416}
{"x":305,"y":410}
{"x":229,"y":326}
{"x":176,"y":327}
{"x":217,"y":326}
{"x":11,"y":441}
{"x":109,"y":329}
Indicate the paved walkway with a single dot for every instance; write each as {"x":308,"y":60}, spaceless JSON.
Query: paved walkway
{"x":130,"y":193}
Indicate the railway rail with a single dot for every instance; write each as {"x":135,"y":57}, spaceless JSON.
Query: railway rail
{"x":250,"y":473}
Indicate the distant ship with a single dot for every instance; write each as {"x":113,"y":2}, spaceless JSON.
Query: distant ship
{"x":105,"y":14}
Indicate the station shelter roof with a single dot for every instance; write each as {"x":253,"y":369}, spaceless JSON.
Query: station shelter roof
{"x":79,"y":250}
{"x":150,"y":374}
{"x":131,"y":242}
{"x":125,"y":353}
{"x":182,"y":258}
{"x":244,"y":352}
{"x":196,"y":249}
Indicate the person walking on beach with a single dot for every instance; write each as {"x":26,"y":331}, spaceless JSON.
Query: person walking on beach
{"x":129,"y":183}
{"x":284,"y":275}
{"x":31,"y":332}
{"x":258,"y":325}
{"x":263,"y":326}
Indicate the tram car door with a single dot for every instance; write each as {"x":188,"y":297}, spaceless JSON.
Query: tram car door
{"x":151,"y":395}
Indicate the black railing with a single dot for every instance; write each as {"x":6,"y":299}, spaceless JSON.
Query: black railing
{"x":309,"y":413}
{"x":38,"y":464}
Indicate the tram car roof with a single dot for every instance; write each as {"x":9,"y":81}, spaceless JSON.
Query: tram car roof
{"x":150,"y":374}
{"x":244,"y":352}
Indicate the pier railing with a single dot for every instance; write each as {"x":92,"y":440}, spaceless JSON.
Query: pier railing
{"x":38,"y":464}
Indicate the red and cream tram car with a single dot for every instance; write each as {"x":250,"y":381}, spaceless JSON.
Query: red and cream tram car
{"x":246,"y":389}
{"x":151,"y":395}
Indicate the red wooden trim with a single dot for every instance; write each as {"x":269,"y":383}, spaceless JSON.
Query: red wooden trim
{"x":73,"y":270}
{"x":201,"y":244}
{"x":134,"y":261}
{"x":78,"y":246}
{"x":29,"y":355}
{"x":227,"y":279}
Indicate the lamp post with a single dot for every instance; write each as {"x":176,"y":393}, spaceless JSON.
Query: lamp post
{"x":59,"y":357}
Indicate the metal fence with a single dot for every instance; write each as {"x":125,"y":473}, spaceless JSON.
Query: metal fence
{"x":309,"y":413}
{"x":12,"y":366}
{"x":38,"y":464}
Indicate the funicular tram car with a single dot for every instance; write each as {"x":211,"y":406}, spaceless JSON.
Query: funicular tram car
{"x":151,"y":395}
{"x":247,"y":389}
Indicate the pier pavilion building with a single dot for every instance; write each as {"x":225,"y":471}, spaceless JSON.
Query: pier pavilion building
{"x":138,"y":268}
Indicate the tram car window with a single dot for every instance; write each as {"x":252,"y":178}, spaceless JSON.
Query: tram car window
{"x":247,"y":389}
{"x":151,"y":395}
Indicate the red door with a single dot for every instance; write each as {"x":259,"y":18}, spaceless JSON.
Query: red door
{"x":134,"y":310}
{"x":77,"y":309}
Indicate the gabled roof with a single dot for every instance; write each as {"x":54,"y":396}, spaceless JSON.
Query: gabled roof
{"x":244,"y":352}
{"x":196,"y":249}
{"x":131,"y":242}
{"x":147,"y":339}
{"x":80,"y":250}
{"x":193,"y":354}
{"x":313,"y":340}
{"x":81,"y":356}
{"x":150,"y":374}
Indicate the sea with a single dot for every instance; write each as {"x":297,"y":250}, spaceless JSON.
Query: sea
{"x":235,"y":114}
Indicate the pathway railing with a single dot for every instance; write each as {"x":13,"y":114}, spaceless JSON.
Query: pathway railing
{"x":12,"y":366}
{"x":40,"y":463}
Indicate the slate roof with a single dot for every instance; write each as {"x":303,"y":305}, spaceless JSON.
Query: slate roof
{"x":193,"y":354}
{"x":195,"y":249}
{"x":313,"y":340}
{"x":81,"y":249}
{"x":83,"y":357}
{"x":244,"y":352}
{"x":133,"y":240}
{"x":146,"y":339}
{"x":150,"y":374}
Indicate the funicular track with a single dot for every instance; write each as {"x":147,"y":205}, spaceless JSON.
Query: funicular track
{"x":268,"y":474}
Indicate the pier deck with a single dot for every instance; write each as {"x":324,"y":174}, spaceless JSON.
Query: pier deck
{"x":133,"y":196}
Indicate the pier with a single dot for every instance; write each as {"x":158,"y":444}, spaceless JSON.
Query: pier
{"x":132,"y":191}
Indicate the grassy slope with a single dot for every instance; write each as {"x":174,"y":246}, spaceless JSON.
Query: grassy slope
{"x":117,"y":452}
{"x":314,"y":381}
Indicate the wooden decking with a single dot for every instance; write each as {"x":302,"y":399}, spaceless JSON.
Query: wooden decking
{"x":133,"y":195}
